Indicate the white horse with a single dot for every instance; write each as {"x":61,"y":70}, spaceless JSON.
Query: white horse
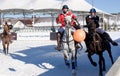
{"x":69,"y":45}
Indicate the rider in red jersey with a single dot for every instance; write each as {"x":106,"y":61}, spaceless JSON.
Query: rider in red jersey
{"x":61,"y":20}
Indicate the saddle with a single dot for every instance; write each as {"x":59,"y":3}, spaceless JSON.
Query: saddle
{"x":94,"y":42}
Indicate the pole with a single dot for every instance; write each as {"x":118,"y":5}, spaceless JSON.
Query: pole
{"x":52,"y":28}
{"x":33,"y":16}
{"x":116,"y":23}
{"x":24,"y":17}
{"x":0,"y":19}
{"x":103,"y":26}
{"x":108,"y":23}
{"x":92,"y":3}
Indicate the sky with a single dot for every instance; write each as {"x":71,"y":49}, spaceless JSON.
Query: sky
{"x":110,"y":6}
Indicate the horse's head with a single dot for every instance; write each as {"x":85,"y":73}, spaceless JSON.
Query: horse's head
{"x":91,"y":27}
{"x":68,"y":20}
{"x":6,"y":28}
{"x":68,"y":29}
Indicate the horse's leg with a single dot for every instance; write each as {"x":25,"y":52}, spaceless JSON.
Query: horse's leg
{"x":76,"y":58}
{"x":3,"y":44}
{"x":101,"y":57}
{"x":66,"y":58}
{"x":110,"y":53}
{"x":100,"y":64}
{"x":91,"y":60}
{"x":103,"y":63}
{"x":4,"y":48}
{"x":7,"y":48}
{"x":73,"y":59}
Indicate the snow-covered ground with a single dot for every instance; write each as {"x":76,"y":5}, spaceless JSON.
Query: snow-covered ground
{"x":38,"y":58}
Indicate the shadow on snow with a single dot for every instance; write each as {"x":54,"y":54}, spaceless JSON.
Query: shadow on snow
{"x":46,"y":54}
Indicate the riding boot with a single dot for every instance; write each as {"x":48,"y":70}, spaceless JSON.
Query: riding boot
{"x":58,"y":42}
{"x":106,"y":35}
{"x":77,"y":45}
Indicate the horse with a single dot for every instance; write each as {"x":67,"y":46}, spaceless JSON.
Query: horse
{"x":68,"y":46}
{"x":6,"y":38}
{"x":97,"y":44}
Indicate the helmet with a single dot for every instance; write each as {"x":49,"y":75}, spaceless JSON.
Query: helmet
{"x":65,"y":6}
{"x":92,"y":10}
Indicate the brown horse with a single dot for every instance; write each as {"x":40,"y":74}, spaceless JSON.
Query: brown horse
{"x":97,"y":45}
{"x":6,"y":38}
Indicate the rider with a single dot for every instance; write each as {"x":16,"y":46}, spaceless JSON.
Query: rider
{"x":10,"y":24}
{"x":61,"y":20}
{"x":94,"y":17}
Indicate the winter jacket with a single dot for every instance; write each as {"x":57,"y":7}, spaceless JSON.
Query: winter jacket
{"x":61,"y":18}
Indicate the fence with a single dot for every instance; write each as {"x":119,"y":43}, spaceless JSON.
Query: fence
{"x":35,"y":29}
{"x":115,"y":69}
{"x":34,"y":33}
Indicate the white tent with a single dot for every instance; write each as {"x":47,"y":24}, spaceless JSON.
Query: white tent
{"x":49,"y":5}
{"x":42,"y":4}
{"x":45,"y":6}
{"x":80,"y":6}
{"x":13,"y":4}
{"x":27,"y":4}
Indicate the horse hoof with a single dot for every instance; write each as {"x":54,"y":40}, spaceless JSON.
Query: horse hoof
{"x":68,"y":65}
{"x":112,"y":62}
{"x":100,"y":74}
{"x":104,"y":69}
{"x":5,"y":53}
{"x":73,"y":72}
{"x":94,"y":64}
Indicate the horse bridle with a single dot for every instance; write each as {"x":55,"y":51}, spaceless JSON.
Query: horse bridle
{"x":68,"y":28}
{"x":93,"y":36}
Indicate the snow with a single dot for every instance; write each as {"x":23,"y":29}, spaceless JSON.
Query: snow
{"x":39,"y":58}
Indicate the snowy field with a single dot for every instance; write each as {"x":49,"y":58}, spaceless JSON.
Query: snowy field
{"x":38,"y":58}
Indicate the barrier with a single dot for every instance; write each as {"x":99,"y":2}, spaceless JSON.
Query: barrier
{"x":33,"y":36}
{"x":34,"y":29}
{"x":53,"y":36}
{"x":32,"y":33}
{"x":13,"y":36}
{"x":115,"y":69}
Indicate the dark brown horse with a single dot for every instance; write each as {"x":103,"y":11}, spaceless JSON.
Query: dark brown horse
{"x":97,"y":44}
{"x":6,"y":38}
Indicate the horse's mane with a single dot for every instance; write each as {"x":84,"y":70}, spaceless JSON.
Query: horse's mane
{"x":6,"y":29}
